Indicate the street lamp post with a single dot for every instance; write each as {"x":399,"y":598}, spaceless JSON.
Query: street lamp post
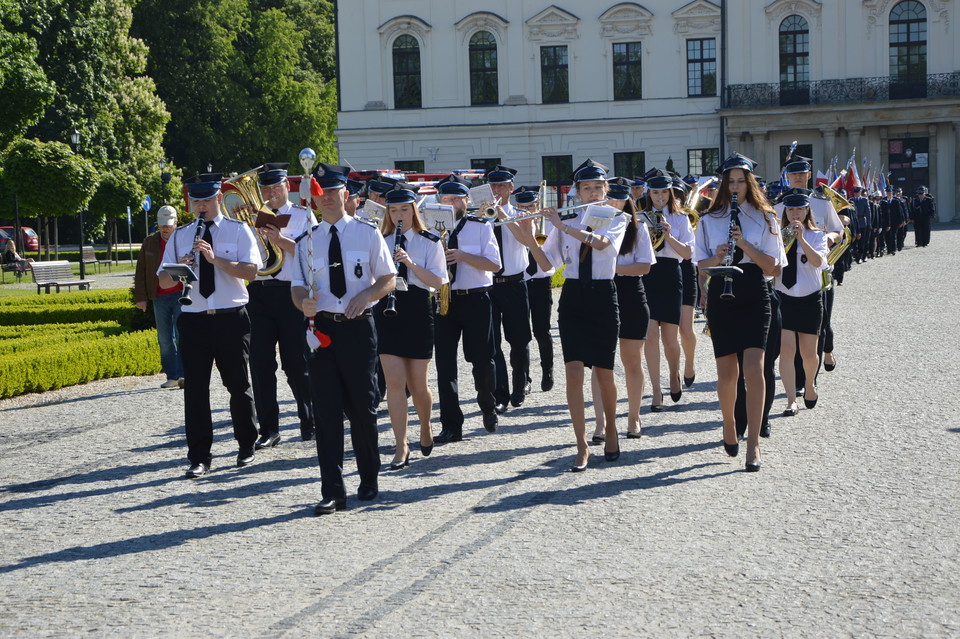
{"x":75,"y":141}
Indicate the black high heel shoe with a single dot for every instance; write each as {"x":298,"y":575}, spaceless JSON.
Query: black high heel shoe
{"x":676,"y":396}
{"x":688,"y":381}
{"x":599,"y":439}
{"x":732,"y":449}
{"x":830,"y":367}
{"x":426,"y":450}
{"x":612,"y":457}
{"x":752,"y":467}
{"x":580,"y":469}
{"x":810,"y":403}
{"x":403,"y":464}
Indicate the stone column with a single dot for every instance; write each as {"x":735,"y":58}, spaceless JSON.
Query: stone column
{"x":933,"y":163}
{"x":953,"y":213}
{"x":829,"y":148}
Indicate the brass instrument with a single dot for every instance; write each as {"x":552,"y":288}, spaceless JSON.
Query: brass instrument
{"x":242,"y":201}
{"x":655,"y":227}
{"x":789,"y":236}
{"x":531,"y":216}
{"x":836,"y":252}
{"x":541,"y":234}
{"x":693,"y":201}
{"x":489,"y":210}
{"x":726,"y":268}
{"x":443,"y":295}
{"x":838,"y":201}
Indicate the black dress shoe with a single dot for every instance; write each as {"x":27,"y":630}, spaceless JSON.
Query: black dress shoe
{"x":732,"y":449}
{"x":426,"y":450}
{"x":306,"y":434}
{"x":765,"y":429}
{"x":198,"y":470}
{"x":656,"y":408}
{"x":791,"y":412}
{"x":367,"y":493}
{"x":546,"y":383}
{"x":581,"y":468}
{"x":518,"y":395}
{"x":267,"y":441}
{"x":810,"y":403}
{"x":752,"y":467}
{"x":830,"y":367}
{"x":447,"y":436}
{"x":635,"y":435}
{"x":500,"y":409}
{"x":676,"y":396}
{"x":403,"y":464}
{"x":597,"y":439}
{"x":245,"y":458}
{"x":490,"y":421}
{"x":612,"y":457}
{"x":688,"y":381}
{"x":329,"y":506}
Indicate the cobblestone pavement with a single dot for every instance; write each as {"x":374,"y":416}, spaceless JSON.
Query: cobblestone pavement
{"x":850,"y":528}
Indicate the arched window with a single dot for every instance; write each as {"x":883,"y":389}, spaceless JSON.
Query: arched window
{"x":908,"y":50}
{"x":794,"y":61}
{"x":406,"y":73}
{"x":483,"y":69}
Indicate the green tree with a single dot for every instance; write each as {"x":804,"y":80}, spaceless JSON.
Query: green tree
{"x":25,"y":90}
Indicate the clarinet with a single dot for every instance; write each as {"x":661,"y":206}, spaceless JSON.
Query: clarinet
{"x":727,"y":293}
{"x":391,"y":308}
{"x":185,"y":298}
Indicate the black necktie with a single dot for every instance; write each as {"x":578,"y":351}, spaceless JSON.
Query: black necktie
{"x":338,"y":283}
{"x":532,"y":266}
{"x":207,"y":282}
{"x":402,"y":269}
{"x":498,"y":231}
{"x":586,"y":261}
{"x":790,"y":270}
{"x":452,"y":244}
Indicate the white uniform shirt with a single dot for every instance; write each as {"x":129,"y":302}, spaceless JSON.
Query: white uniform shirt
{"x":514,"y":257}
{"x":642,"y":252}
{"x":824,"y":215}
{"x":562,"y":248}
{"x":681,"y":230}
{"x":714,"y":229}
{"x":424,"y":252}
{"x":232,"y":240}
{"x":365,"y":259}
{"x":475,"y":238}
{"x":808,"y":276}
{"x":300,"y":220}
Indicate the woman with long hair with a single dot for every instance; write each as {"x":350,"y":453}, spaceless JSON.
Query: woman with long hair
{"x":405,"y":339}
{"x":664,"y":285}
{"x":588,"y":316}
{"x":801,"y":306}
{"x":633,"y":261}
{"x":739,"y":325}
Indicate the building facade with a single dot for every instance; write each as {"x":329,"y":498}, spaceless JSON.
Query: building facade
{"x":431,"y":85}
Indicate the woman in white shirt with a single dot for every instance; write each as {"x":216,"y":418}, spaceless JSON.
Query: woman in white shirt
{"x":801,"y":305}
{"x":405,"y":340}
{"x":740,"y":324}
{"x":634,"y":260}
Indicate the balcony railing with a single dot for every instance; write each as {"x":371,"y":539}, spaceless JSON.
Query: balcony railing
{"x":749,"y":96}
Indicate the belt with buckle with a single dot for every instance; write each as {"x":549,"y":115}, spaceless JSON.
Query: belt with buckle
{"x":508,"y":278}
{"x":340,"y":317}
{"x":271,"y":283}
{"x":223,"y":311}
{"x":468,"y":291}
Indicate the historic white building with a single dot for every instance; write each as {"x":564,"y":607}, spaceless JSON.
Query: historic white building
{"x":433,"y":85}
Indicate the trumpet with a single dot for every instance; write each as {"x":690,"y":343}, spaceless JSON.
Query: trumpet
{"x":489,"y":210}
{"x":533,"y":216}
{"x":726,"y":268}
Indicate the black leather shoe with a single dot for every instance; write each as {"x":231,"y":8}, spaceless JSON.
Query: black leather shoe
{"x":518,"y":395}
{"x":765,"y":429}
{"x":306,"y":434}
{"x":198,"y":470}
{"x":500,"y":408}
{"x":830,"y":367}
{"x":732,"y":449}
{"x":656,"y":408}
{"x":426,"y":450}
{"x":403,"y":464}
{"x":810,"y":403}
{"x":635,"y":435}
{"x":490,"y":421}
{"x":752,"y":467}
{"x":599,"y":439}
{"x":546,"y":382}
{"x":267,"y":441}
{"x":245,"y":458}
{"x":447,"y":436}
{"x":367,"y":493}
{"x":612,"y":457}
{"x":329,"y":506}
{"x":791,"y":412}
{"x":688,"y":381}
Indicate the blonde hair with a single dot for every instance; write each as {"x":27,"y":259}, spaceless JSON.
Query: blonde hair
{"x":388,"y":226}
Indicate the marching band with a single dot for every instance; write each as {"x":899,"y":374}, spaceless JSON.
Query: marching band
{"x":390,"y":285}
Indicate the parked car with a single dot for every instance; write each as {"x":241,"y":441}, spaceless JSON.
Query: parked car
{"x":29,"y":240}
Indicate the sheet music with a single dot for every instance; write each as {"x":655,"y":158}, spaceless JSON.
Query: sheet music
{"x":431,"y":212}
{"x":481,"y":194}
{"x":599,"y":216}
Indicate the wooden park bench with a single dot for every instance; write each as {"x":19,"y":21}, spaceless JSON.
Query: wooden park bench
{"x":58,"y":273}
{"x":89,"y":256}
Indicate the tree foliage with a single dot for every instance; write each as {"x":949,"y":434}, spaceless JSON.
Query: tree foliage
{"x":61,"y":182}
{"x":25,"y":90}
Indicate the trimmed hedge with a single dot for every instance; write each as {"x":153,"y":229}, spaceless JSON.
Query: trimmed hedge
{"x":68,"y":298}
{"x":124,"y":313}
{"x":54,"y":366}
{"x":16,"y":332}
{"x":45,"y":339}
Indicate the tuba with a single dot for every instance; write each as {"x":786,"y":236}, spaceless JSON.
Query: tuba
{"x":838,"y":201}
{"x":242,"y":201}
{"x":836,"y":252}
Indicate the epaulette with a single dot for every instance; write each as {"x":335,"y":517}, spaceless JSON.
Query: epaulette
{"x":298,"y":206}
{"x":473,"y":218}
{"x":304,"y":234}
{"x":430,"y":236}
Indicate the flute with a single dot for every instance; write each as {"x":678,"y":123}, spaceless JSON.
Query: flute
{"x":531,"y":216}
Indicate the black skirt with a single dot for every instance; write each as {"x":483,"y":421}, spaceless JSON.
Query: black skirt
{"x":634,"y":312}
{"x":664,"y":286}
{"x":589,"y":321}
{"x":802,"y":314}
{"x":410,"y":333}
{"x":690,"y":289}
{"x":743,"y":322}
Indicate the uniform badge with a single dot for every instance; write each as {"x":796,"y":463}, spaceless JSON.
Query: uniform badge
{"x":358,"y":271}
{"x":803,"y":259}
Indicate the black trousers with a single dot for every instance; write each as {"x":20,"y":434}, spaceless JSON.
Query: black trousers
{"x":921,"y":230}
{"x":343,"y":378}
{"x":275,"y":320}
{"x":770,"y":355}
{"x":891,"y":240}
{"x":223,"y":340}
{"x":470,"y":316}
{"x":511,"y":319}
{"x":541,"y":312}
{"x":901,"y":236}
